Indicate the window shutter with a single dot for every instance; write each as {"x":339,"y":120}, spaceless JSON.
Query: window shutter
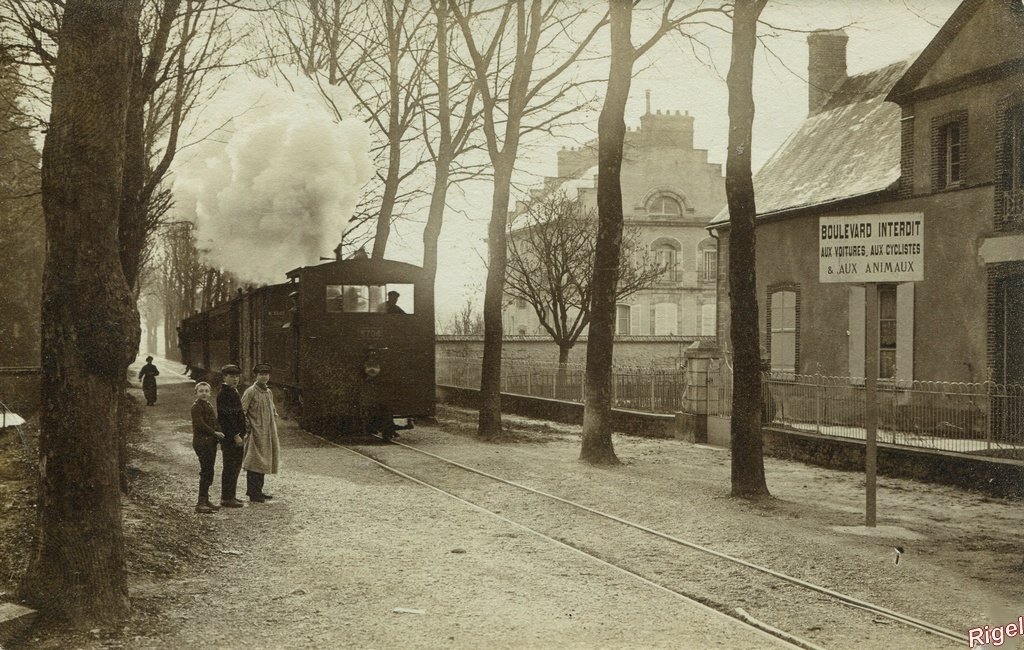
{"x":905,"y":333}
{"x":707,"y":320}
{"x":690,"y":316}
{"x":635,"y":311}
{"x":666,"y":319}
{"x":856,"y":329}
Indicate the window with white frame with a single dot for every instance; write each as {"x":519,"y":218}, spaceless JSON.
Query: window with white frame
{"x":949,"y":148}
{"x":707,"y":260}
{"x":887,"y":331}
{"x":895,"y":342}
{"x":782,"y":330}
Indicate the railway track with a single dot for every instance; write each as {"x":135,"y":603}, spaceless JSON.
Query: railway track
{"x":713,"y":581}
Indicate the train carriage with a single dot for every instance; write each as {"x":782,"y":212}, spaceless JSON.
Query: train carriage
{"x":345,"y":358}
{"x":353,"y":348}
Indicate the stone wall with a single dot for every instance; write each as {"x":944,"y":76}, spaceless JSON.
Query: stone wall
{"x":636,"y":351}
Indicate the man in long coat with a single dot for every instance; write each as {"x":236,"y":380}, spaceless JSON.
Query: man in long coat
{"x":262,"y":448}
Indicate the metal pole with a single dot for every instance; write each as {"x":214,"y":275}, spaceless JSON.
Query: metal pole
{"x":871,"y":398}
{"x":817,"y":399}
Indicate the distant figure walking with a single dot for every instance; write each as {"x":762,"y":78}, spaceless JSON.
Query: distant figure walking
{"x":204,"y":441}
{"x":262,"y":448}
{"x":148,"y":376}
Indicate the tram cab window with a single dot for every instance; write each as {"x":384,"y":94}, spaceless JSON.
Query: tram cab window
{"x":372,"y":299}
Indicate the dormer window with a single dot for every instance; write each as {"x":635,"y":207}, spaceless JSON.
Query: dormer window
{"x":949,"y":147}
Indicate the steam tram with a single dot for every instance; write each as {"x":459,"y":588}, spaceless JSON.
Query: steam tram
{"x":348,"y":357}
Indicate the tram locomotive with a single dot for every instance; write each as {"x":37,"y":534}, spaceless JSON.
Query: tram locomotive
{"x":348,"y":358}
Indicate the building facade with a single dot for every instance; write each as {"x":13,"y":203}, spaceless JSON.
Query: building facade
{"x":670,"y":192}
{"x":940,"y":136}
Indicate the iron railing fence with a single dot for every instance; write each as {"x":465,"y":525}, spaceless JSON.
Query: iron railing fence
{"x":976,"y":418}
{"x":653,"y":390}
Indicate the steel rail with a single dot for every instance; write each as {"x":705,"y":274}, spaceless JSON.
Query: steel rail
{"x":785,"y":639}
{"x":849,"y":600}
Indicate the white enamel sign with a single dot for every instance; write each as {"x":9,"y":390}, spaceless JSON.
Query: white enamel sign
{"x":871,"y":248}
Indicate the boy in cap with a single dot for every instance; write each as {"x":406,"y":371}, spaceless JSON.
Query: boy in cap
{"x":204,"y":442}
{"x":232,"y":424}
{"x":262,"y":448}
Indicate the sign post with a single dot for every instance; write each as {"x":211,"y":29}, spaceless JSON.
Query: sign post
{"x":870,"y":400}
{"x":871,"y":249}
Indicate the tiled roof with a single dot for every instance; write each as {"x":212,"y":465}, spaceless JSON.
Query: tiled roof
{"x":850,"y":148}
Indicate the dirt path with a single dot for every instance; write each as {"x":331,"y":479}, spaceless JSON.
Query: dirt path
{"x":344,"y":545}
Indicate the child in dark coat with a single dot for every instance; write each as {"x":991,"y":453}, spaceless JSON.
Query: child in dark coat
{"x":205,"y":436}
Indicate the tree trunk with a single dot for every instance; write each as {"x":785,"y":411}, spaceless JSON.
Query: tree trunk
{"x":562,"y":375}
{"x":395,"y":132}
{"x":442,"y":165}
{"x":597,"y":445}
{"x":490,"y":372}
{"x":131,"y":231}
{"x":748,"y":479}
{"x":90,"y":324}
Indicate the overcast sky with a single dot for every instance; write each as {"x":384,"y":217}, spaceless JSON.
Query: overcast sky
{"x":880,"y":31}
{"x":255,"y":178}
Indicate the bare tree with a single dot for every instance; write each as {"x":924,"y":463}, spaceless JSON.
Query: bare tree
{"x":748,"y":478}
{"x":597,"y":435}
{"x":456,"y":102}
{"x":514,"y":105}
{"x":181,"y":44}
{"x":21,"y":230}
{"x":468,"y":320}
{"x":550,"y":261}
{"x":383,"y":63}
{"x":90,"y":324}
{"x":178,"y":276}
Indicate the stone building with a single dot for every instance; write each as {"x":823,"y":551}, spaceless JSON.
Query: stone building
{"x":939,"y":137}
{"x":670,"y":192}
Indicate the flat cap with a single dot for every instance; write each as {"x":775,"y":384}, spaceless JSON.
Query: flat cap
{"x":230,"y":369}
{"x":261,"y":367}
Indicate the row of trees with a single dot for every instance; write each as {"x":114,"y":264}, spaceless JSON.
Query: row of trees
{"x":123,"y":75}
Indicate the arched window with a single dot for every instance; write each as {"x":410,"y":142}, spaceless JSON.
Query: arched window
{"x":666,"y":255}
{"x":664,"y":205}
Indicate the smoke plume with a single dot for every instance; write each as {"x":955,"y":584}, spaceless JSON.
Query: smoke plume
{"x":271,"y":187}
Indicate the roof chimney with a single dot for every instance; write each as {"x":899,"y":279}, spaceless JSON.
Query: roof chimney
{"x":826,"y":66}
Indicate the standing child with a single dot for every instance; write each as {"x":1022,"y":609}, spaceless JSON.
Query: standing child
{"x":204,"y":441}
{"x":262,"y":448}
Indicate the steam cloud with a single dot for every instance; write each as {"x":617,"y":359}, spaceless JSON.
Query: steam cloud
{"x":272,"y":187}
